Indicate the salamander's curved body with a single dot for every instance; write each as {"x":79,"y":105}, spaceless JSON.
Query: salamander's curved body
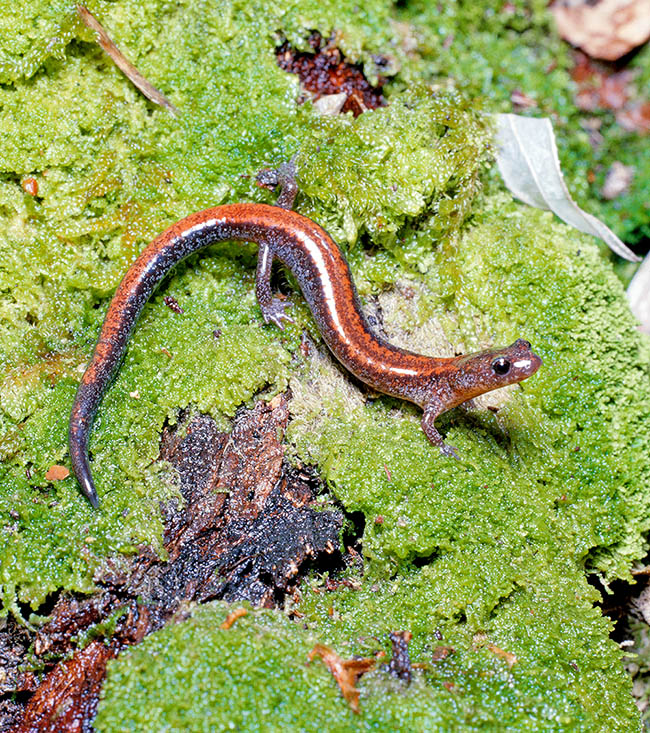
{"x":436,"y":384}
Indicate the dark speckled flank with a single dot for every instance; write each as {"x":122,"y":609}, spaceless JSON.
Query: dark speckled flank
{"x":436,"y":384}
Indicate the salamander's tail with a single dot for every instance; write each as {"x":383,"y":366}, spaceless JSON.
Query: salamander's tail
{"x":81,"y":420}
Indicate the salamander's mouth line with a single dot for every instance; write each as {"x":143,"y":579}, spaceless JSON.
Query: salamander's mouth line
{"x":436,"y":384}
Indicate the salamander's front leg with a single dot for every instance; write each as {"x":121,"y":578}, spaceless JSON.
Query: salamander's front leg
{"x":432,"y":410}
{"x":273,"y":309}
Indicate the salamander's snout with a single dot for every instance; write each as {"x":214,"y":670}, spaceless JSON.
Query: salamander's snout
{"x":516,"y":363}
{"x":524,"y":358}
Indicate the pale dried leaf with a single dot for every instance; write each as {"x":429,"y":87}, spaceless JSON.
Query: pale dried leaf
{"x":528,"y":160}
{"x":607,"y":29}
{"x":638,"y":294}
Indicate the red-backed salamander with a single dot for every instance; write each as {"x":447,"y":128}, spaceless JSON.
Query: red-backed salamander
{"x":436,"y":384}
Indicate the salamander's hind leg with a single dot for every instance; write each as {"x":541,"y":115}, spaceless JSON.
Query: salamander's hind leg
{"x":273,"y":309}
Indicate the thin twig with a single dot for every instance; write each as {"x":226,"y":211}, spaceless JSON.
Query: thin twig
{"x":125,"y":66}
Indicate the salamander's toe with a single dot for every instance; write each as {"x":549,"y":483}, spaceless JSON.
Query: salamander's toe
{"x":449,"y":451}
{"x":276,"y":313}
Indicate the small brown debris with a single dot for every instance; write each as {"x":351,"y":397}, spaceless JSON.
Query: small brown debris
{"x":449,"y":686}
{"x":442,"y":652}
{"x":635,"y":118}
{"x":57,"y":473}
{"x":166,"y":352}
{"x":326,"y":73}
{"x":599,"y":87}
{"x":30,"y":186}
{"x":400,"y":663}
{"x":509,"y":658}
{"x":345,"y":672}
{"x":232,"y":617}
{"x":125,"y":66}
{"x":172,"y":304}
{"x":388,"y":473}
{"x":617,"y":180}
{"x":305,"y":346}
{"x":522,"y":100}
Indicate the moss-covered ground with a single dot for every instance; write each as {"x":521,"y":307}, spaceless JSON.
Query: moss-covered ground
{"x":489,"y":553}
{"x":494,"y":51}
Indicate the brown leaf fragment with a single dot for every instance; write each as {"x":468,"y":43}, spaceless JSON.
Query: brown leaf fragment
{"x":122,"y":63}
{"x":605,"y":29}
{"x":400,"y":663}
{"x":509,"y":658}
{"x":57,"y":473}
{"x":30,"y":186}
{"x":232,"y":617}
{"x":345,"y":672}
{"x":599,"y":87}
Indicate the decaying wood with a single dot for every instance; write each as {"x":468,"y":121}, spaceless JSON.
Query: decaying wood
{"x":245,"y":527}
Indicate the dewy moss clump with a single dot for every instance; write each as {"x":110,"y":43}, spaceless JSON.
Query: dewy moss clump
{"x":490,"y":552}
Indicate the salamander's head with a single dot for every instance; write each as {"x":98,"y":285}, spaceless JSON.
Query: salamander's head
{"x":486,"y":370}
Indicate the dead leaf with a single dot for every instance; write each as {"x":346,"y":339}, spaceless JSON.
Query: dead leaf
{"x":345,"y":672}
{"x":331,"y":104}
{"x":607,"y":29}
{"x":57,"y":473}
{"x":528,"y":161}
{"x":520,"y":99}
{"x":638,"y":294}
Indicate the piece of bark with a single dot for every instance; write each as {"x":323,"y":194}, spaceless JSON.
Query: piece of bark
{"x":67,"y":698}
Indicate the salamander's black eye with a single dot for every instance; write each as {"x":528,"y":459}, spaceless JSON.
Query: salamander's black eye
{"x":500,"y":366}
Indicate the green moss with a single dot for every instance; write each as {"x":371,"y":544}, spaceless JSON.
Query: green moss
{"x":177,"y":678}
{"x":491,"y":50}
{"x":558,"y":459}
{"x":112,"y":170}
{"x":492,"y":549}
